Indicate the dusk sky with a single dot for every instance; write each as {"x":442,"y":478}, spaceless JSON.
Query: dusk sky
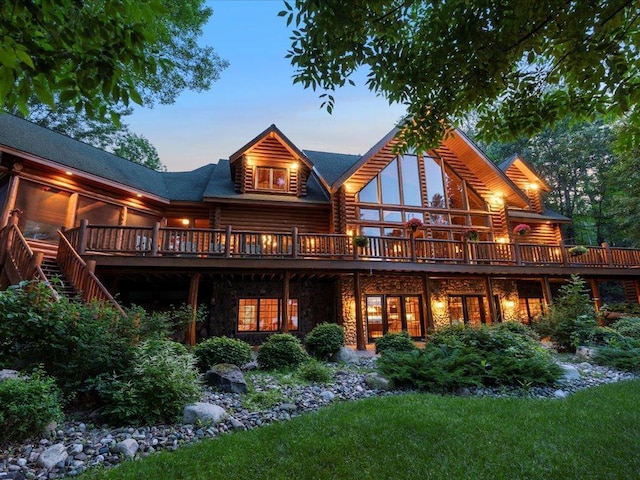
{"x":255,"y":91}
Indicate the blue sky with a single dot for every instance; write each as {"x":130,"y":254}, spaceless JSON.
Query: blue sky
{"x":255,"y":91}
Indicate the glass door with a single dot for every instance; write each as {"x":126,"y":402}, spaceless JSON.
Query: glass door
{"x":394,"y":318}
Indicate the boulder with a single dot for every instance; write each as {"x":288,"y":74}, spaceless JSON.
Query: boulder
{"x":52,"y":456}
{"x":226,"y":378}
{"x":587,"y":353}
{"x":345,"y":355}
{"x":569,"y":373}
{"x":205,"y":413}
{"x":375,"y":381}
{"x":127,"y":447}
{"x":6,"y":374}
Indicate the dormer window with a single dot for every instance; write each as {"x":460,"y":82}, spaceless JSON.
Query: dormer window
{"x":272,"y":179}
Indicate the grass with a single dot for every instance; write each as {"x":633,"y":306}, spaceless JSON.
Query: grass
{"x":593,"y":434}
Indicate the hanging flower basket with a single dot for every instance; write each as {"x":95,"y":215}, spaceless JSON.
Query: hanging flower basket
{"x":522,"y":229}
{"x":413,"y":224}
{"x":360,"y":241}
{"x":472,"y":235}
{"x":577,"y":250}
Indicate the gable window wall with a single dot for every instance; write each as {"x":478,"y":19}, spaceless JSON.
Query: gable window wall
{"x":438,"y":197}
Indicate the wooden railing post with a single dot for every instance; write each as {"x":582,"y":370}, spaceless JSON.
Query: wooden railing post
{"x":465,"y":251}
{"x":82,"y":237}
{"x":227,"y":241}
{"x":155,"y":237}
{"x":37,"y":262}
{"x":563,"y":253}
{"x":90,"y":268}
{"x":414,"y":256}
{"x":294,"y":242}
{"x":518,"y":252}
{"x":607,"y":253}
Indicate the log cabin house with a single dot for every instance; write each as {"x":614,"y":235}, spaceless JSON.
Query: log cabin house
{"x":265,"y":239}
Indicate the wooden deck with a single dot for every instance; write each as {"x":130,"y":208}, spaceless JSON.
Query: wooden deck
{"x":156,"y":247}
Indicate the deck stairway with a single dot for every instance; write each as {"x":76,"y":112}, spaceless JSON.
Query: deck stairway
{"x":56,"y":278}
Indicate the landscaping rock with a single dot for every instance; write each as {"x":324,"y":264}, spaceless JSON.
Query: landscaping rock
{"x":345,"y":355}
{"x":52,"y":456}
{"x":569,"y":373}
{"x":376,"y":381}
{"x":128,"y":447}
{"x":203,"y":412}
{"x":560,"y":394}
{"x":588,"y":353}
{"x":226,"y":378}
{"x":6,"y":374}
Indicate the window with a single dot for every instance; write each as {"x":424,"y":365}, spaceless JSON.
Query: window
{"x":265,"y":314}
{"x":393,"y":314}
{"x":270,"y":178}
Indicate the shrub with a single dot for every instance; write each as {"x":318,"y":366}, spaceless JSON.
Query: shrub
{"x":315,"y":371}
{"x":395,"y":342}
{"x":462,"y":356}
{"x":161,"y":381}
{"x":623,"y":357}
{"x":27,"y":405}
{"x":628,"y":326}
{"x":324,"y":340}
{"x":281,"y":350}
{"x":571,"y":320}
{"x":215,"y":350}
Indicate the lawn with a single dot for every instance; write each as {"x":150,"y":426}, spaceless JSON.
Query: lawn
{"x":592,"y":434}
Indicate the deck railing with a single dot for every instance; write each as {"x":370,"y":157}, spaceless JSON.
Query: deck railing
{"x":82,"y":276}
{"x":161,"y":241}
{"x":20,"y":262}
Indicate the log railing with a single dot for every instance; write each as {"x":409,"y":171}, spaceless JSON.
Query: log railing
{"x":20,"y":263}
{"x":161,"y":241}
{"x":82,"y":276}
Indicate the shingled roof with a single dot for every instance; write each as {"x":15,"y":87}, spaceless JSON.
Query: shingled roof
{"x":331,"y":166}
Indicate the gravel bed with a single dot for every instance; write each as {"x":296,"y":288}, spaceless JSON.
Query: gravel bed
{"x":87,"y":445}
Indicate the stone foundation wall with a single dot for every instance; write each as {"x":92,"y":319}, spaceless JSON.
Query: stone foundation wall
{"x":316,"y":304}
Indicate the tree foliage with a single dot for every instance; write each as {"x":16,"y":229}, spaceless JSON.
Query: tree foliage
{"x":99,"y":56}
{"x":521,"y":65}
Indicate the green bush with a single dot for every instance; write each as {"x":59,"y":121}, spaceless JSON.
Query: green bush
{"x":163,"y":379}
{"x":27,"y":405}
{"x":315,"y":371}
{"x":462,"y":356}
{"x":623,"y":357}
{"x":216,"y":350}
{"x":324,"y":340}
{"x":281,"y":350}
{"x":628,"y":326}
{"x":571,"y":320}
{"x":395,"y":342}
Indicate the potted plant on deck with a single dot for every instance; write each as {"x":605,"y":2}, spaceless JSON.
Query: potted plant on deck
{"x":360,"y":241}
{"x":413,"y":224}
{"x":521,"y":229}
{"x":577,"y":251}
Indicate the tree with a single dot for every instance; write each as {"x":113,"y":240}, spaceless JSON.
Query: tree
{"x":99,"y":56}
{"x":138,"y":149}
{"x":574,"y":159}
{"x":521,"y":65}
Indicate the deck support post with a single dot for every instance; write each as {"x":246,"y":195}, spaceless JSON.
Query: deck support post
{"x":284,"y":326}
{"x":595,"y":294}
{"x":488,"y":287}
{"x":426,"y":306}
{"x":294,"y":242}
{"x":82,"y":237}
{"x":227,"y":241}
{"x":546,"y":293}
{"x":155,"y":238}
{"x":193,"y":303}
{"x":361,"y":343}
{"x":10,"y":202}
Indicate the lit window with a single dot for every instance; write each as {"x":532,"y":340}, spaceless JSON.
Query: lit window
{"x":268,"y":178}
{"x":265,"y":314}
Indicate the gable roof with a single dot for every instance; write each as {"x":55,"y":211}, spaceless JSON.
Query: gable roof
{"x":189,"y":186}
{"x":330,"y":166}
{"x":516,"y":161}
{"x":43,"y":144}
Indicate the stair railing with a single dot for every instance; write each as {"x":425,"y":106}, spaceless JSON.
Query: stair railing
{"x":81,"y":275}
{"x":20,"y":262}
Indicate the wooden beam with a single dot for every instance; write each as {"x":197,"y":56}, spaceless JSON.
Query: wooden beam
{"x":284,"y":326}
{"x":488,"y":287}
{"x":595,"y":294}
{"x":193,"y":303}
{"x":10,"y":202}
{"x":426,"y":305}
{"x":636,"y":286}
{"x":546,"y":293}
{"x":361,"y":343}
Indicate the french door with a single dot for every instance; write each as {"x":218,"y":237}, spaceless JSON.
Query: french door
{"x":468,"y":309}
{"x":393,"y":314}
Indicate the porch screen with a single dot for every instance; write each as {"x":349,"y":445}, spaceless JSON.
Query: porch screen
{"x":45,"y":210}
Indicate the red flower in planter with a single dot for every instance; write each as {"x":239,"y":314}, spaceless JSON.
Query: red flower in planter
{"x":413,"y":223}
{"x":521,"y":229}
